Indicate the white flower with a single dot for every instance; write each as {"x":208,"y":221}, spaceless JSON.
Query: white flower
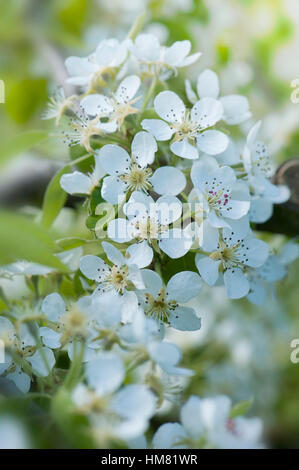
{"x":58,"y":105}
{"x":223,"y":198}
{"x":187,"y":127}
{"x":113,"y":411}
{"x":66,"y":324}
{"x":83,"y":129}
{"x":146,"y":335}
{"x":257,"y":166}
{"x":149,"y":221}
{"x":160,"y":60}
{"x":235,"y":107}
{"x":24,"y":345}
{"x":79,"y":183}
{"x":132,"y":173}
{"x":93,"y":70}
{"x":164,"y":303}
{"x":232,"y":255}
{"x":207,"y":420}
{"x":116,"y":108}
{"x":122,"y":277}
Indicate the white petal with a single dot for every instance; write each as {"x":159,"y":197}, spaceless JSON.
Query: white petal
{"x":189,"y":60}
{"x":169,"y":106}
{"x":51,"y":338}
{"x":207,"y":112}
{"x":113,"y":190}
{"x":184,"y":149}
{"x":237,"y":209}
{"x":261,"y":210}
{"x":127,"y":89}
{"x":168,"y":180}
{"x":236,"y":109}
{"x":214,"y":412}
{"x":210,"y":236}
{"x":119,"y":231}
{"x":76,"y":183}
{"x":257,"y":293}
{"x":272,"y":270}
{"x":237,"y":286}
{"x":164,"y":353}
{"x":176,"y":243}
{"x":177,"y":52}
{"x":208,"y":84}
{"x":257,"y":252}
{"x":98,"y":171}
{"x":168,"y":436}
{"x":42,"y":362}
{"x":114,"y":159}
{"x":113,"y":254}
{"x":20,"y":379}
{"x":152,"y":281}
{"x":53,"y":306}
{"x":191,"y":417}
{"x":208,"y":268}
{"x":79,"y":66}
{"x":143,"y":148}
{"x":91,"y":265}
{"x":159,"y":129}
{"x":191,"y":95}
{"x":129,"y":307}
{"x":169,"y":209}
{"x":139,"y":254}
{"x":146,"y":47}
{"x":96,"y":104}
{"x":212,"y":142}
{"x":134,"y":401}
{"x":184,"y":286}
{"x":184,"y":319}
{"x":105,"y":373}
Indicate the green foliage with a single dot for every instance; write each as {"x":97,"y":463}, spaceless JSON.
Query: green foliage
{"x":20,"y":143}
{"x":20,"y":238}
{"x":54,"y":198}
{"x":241,"y":408}
{"x":25,"y":97}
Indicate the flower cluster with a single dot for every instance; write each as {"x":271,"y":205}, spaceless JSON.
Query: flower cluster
{"x":178,"y":188}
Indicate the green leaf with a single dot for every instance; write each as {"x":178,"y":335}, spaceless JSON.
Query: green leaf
{"x":20,"y":143}
{"x":54,"y":198}
{"x":241,"y":408}
{"x":20,"y":238}
{"x":25,"y":97}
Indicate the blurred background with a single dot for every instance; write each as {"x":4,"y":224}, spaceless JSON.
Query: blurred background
{"x":253,"y":45}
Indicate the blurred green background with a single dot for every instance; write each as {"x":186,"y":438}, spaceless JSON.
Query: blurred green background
{"x":253,"y":44}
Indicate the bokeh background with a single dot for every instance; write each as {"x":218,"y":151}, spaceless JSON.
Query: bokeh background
{"x":242,"y":350}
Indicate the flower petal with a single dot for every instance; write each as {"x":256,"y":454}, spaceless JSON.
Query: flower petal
{"x":113,"y":189}
{"x":208,"y":84}
{"x":168,"y":180}
{"x":127,"y":89}
{"x":158,"y":128}
{"x":184,"y":319}
{"x":183,"y":286}
{"x":169,"y":106}
{"x":105,"y":373}
{"x":91,"y":265}
{"x":76,"y":183}
{"x":207,"y":112}
{"x":177,"y":52}
{"x":96,"y":105}
{"x":143,"y":148}
{"x":42,"y":362}
{"x":113,"y":254}
{"x":114,"y":159}
{"x":208,"y":268}
{"x":176,"y":243}
{"x":184,"y":149}
{"x":119,"y":230}
{"x":237,"y":286}
{"x":139,"y":254}
{"x":212,"y":142}
{"x":235,"y":109}
{"x":53,"y":306}
{"x":169,"y":436}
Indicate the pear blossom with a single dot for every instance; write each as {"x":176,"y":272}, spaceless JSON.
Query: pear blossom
{"x":148,"y":222}
{"x":232,"y":255}
{"x":114,"y":411}
{"x":65,"y":325}
{"x":222,"y":196}
{"x":58,"y":105}
{"x":166,"y":304}
{"x":190,"y":129}
{"x":117,"y":107}
{"x":146,"y":335}
{"x":123,"y":277}
{"x":161,"y":61}
{"x":132,"y":173}
{"x":24,"y":345}
{"x":208,"y":420}
{"x":92,"y":71}
{"x":80,"y":183}
{"x":235,"y":107}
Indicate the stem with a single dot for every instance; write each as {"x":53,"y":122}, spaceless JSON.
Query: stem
{"x":75,"y":369}
{"x":137,"y":26}
{"x":148,"y":96}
